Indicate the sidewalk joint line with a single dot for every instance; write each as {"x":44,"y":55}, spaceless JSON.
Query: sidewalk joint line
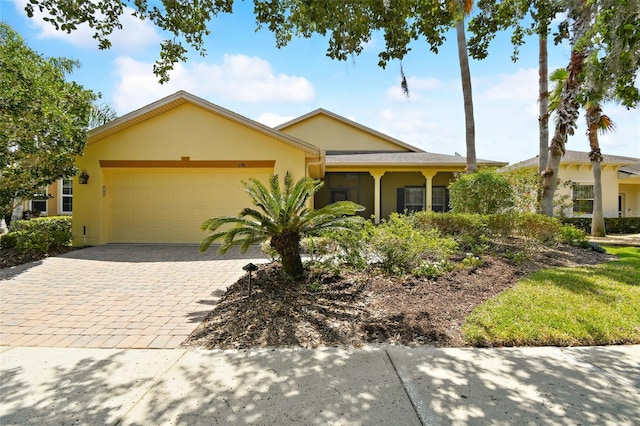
{"x":409,"y":388}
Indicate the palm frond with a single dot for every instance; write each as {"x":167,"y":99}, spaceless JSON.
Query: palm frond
{"x":558,"y":77}
{"x":241,"y":236}
{"x":606,"y":124}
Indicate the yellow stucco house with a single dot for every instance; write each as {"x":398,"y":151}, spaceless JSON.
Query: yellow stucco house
{"x":155,"y":174}
{"x":620,"y":184}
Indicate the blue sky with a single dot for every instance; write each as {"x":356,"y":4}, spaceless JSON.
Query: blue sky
{"x":245,"y":72}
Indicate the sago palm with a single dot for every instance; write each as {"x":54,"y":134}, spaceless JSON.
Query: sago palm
{"x":282,"y":215}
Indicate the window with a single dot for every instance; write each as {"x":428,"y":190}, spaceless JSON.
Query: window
{"x":39,"y":202}
{"x":440,"y":199}
{"x":39,"y":205}
{"x":582,"y":199}
{"x":66,"y":196}
{"x":414,"y":198}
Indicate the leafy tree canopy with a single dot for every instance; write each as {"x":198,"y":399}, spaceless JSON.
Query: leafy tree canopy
{"x":348,"y":25}
{"x":522,"y":17}
{"x":43,"y":119}
{"x":611,"y":44}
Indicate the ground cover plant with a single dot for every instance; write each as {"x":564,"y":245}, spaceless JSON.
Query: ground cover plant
{"x":372,"y":287}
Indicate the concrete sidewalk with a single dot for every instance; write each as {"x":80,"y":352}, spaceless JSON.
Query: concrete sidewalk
{"x":374,"y":385}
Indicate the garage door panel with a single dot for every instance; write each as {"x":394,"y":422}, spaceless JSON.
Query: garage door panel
{"x":169,"y":205}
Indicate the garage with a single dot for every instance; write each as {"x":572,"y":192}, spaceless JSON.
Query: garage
{"x":156,"y":174}
{"x":168,"y":205}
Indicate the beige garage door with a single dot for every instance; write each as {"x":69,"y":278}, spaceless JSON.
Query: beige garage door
{"x":169,"y":205}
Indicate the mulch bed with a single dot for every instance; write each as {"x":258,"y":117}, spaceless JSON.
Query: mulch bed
{"x":353,"y":309}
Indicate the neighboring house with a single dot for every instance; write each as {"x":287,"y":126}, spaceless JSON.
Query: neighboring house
{"x":59,"y":203}
{"x":620,"y":183}
{"x":157,"y":173}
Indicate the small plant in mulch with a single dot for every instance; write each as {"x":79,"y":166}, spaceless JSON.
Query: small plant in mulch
{"x":346,"y":307}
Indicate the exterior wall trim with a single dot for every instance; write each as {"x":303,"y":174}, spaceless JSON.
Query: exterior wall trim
{"x":185,"y":162}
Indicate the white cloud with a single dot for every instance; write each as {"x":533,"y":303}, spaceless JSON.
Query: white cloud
{"x":520,"y":86}
{"x":134,"y":36}
{"x":239,"y":78}
{"x":422,"y":127}
{"x":273,"y":120}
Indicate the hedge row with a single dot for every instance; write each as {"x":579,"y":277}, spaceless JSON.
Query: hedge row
{"x":613,"y":225}
{"x":38,"y":235}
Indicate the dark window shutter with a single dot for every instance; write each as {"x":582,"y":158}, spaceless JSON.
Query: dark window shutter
{"x":447,"y":207}
{"x":400,"y":200}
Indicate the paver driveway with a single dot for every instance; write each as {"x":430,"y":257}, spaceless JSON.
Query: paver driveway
{"x":115,"y":296}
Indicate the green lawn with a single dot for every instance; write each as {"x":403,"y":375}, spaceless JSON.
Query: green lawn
{"x":565,"y":307}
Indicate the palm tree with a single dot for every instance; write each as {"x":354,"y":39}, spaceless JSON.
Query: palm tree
{"x":465,"y":74}
{"x":567,"y":109}
{"x":281,"y":215}
{"x":596,"y":121}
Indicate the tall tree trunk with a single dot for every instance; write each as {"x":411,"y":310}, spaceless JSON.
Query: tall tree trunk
{"x":567,"y":111}
{"x":543,"y":96}
{"x":7,"y":219}
{"x":543,"y":99}
{"x":594,"y":115}
{"x":465,"y":74}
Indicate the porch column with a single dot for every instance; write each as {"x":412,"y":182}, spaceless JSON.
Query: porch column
{"x":377,"y":175}
{"x":428,"y":175}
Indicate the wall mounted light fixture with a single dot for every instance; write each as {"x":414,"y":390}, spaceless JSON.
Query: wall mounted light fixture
{"x":83,"y":178}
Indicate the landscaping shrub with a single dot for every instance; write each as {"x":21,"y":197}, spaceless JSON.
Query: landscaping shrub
{"x":401,"y":247}
{"x":9,"y":240}
{"x":348,"y":247}
{"x":268,"y":251}
{"x":468,"y":230}
{"x":583,"y":223}
{"x":613,"y":225}
{"x":526,"y":186}
{"x":573,"y":236}
{"x":38,"y":235}
{"x":537,"y":228}
{"x":317,"y":247}
{"x":482,"y":192}
{"x":502,"y":224}
{"x":622,"y":225}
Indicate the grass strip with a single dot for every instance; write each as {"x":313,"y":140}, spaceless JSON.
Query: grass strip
{"x":597,"y":305}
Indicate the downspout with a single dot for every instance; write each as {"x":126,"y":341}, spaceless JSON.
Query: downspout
{"x":321,"y":161}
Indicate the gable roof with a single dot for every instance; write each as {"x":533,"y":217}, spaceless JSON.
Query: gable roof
{"x":579,"y":157}
{"x":181,"y":97}
{"x":631,"y":170}
{"x":322,"y":111}
{"x":404,"y":159}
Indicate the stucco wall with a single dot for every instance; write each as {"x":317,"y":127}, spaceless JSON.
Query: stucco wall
{"x":631,"y":197}
{"x":186,"y":131}
{"x":331,"y":135}
{"x":583,"y":175}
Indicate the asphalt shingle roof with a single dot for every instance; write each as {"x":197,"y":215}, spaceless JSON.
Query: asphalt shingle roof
{"x":404,"y":159}
{"x":580,"y":157}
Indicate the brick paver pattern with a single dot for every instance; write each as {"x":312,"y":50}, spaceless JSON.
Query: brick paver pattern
{"x":115,"y":296}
